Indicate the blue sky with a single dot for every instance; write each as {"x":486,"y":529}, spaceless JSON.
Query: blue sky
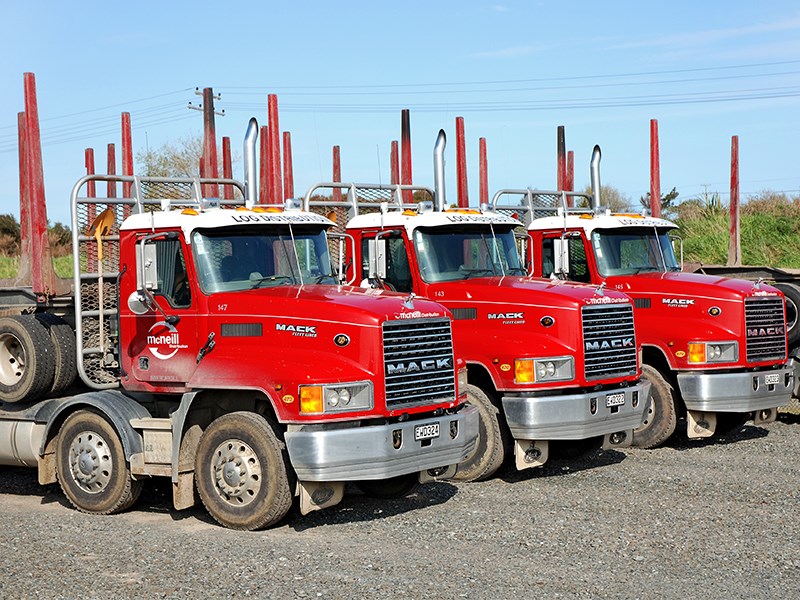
{"x":342,"y":71}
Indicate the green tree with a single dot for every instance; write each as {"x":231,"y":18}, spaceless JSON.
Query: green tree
{"x":611,"y":198}
{"x":178,"y":159}
{"x":667,"y":201}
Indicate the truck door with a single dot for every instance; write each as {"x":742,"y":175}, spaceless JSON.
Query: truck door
{"x":164,"y":343}
{"x":397,"y":276}
{"x":576,"y":256}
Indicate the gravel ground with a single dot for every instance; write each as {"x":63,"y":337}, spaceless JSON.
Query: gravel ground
{"x":713,"y":518}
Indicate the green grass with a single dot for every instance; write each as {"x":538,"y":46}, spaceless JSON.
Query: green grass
{"x":767,"y":239}
{"x":9,"y":266}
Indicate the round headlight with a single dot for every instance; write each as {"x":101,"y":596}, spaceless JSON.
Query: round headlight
{"x":333,"y":398}
{"x":551,"y":369}
{"x":541,"y":370}
{"x":344,"y":396}
{"x":714,"y":352}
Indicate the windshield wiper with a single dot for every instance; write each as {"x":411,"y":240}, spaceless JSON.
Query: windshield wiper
{"x":322,"y":277}
{"x":277,"y":279}
{"x":468,"y":273}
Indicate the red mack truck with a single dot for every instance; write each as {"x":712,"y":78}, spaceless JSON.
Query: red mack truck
{"x":548,"y":361}
{"x":714,"y":348}
{"x":220,"y":351}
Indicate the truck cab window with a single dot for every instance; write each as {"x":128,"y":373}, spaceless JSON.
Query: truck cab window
{"x":242,"y":259}
{"x":452,"y":254}
{"x":173,"y":282}
{"x":398,"y":270}
{"x":578,"y":263}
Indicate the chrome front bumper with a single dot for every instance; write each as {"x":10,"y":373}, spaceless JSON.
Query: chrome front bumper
{"x":569,"y":417}
{"x":345,"y":453}
{"x":743,"y":391}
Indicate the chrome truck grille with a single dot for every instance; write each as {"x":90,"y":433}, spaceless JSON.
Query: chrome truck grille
{"x":418,"y":362}
{"x":766,"y":328}
{"x":609,"y":341}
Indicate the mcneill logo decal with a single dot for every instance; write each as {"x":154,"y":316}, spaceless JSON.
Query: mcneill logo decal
{"x":165,"y":345}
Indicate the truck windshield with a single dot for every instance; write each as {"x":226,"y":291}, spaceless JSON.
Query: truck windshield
{"x":233,"y":259}
{"x":631,"y":251}
{"x":454,"y":253}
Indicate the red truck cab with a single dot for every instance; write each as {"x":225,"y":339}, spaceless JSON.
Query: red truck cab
{"x":219,"y":350}
{"x":548,"y":360}
{"x":714,"y":348}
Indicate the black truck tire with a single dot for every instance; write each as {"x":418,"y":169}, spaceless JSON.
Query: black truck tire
{"x":91,"y":465}
{"x":27,"y":359}
{"x":792,"y":293}
{"x":63,"y":338}
{"x":490,"y":449}
{"x":242,"y":472}
{"x":660,"y":419}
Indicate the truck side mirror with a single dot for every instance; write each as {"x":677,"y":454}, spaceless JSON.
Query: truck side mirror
{"x":677,"y":247}
{"x":146,"y":266}
{"x":377,"y":258}
{"x":561,"y":257}
{"x":523,"y":242}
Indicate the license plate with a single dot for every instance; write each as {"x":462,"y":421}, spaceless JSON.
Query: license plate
{"x":426,"y":432}
{"x":772,"y":378}
{"x":615,"y":399}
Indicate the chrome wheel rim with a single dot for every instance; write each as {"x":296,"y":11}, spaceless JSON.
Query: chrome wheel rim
{"x":90,"y":462}
{"x":237,"y":472}
{"x":12,"y":359}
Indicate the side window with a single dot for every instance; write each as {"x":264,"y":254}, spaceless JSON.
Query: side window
{"x":578,"y":265}
{"x":398,"y":271}
{"x":547,"y":257}
{"x":173,"y":282}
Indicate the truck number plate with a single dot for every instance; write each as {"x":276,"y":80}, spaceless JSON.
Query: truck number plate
{"x":426,"y":432}
{"x":615,"y":399}
{"x":772,"y":378}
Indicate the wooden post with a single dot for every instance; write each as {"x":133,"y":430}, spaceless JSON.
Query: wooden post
{"x":394,"y":160}
{"x":461,"y":164}
{"x":288,"y":174}
{"x":405,"y":141}
{"x":227,"y":167}
{"x":655,"y":171}
{"x":337,"y":173}
{"x":483,"y":172}
{"x":735,"y":242}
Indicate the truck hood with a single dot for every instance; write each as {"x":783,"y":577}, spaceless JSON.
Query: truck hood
{"x":694,"y":285}
{"x":527,"y":290}
{"x":330,"y":302}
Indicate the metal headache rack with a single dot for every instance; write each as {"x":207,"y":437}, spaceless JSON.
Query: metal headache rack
{"x":529,"y":204}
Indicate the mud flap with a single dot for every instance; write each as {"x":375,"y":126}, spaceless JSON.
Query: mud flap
{"x":316,"y":495}
{"x":700,"y":424}
{"x":437,"y":474}
{"x":618,"y":439}
{"x":765,"y":415}
{"x":530,"y":453}
{"x":183,"y":491}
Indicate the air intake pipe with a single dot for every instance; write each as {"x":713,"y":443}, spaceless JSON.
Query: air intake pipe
{"x":595,"y":177}
{"x":250,"y":164}
{"x":438,"y":171}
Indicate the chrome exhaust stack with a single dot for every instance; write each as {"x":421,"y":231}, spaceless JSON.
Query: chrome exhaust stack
{"x":438,"y":171}
{"x":250,"y":164}
{"x":595,"y":177}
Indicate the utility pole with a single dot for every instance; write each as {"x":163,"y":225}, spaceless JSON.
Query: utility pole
{"x":208,"y":161}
